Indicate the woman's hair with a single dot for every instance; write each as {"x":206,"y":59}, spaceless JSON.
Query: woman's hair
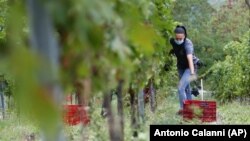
{"x":181,"y":29}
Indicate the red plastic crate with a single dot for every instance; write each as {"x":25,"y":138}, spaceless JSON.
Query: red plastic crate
{"x":203,"y":110}
{"x":75,"y":114}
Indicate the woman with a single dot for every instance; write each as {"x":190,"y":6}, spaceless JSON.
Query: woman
{"x":184,"y":51}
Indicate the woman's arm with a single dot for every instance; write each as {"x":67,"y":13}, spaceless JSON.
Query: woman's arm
{"x":190,"y":63}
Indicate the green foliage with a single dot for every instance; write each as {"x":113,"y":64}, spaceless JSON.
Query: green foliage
{"x":99,"y":45}
{"x":122,"y":34}
{"x":230,"y":23}
{"x":121,"y":40}
{"x":3,"y":26}
{"x":3,"y":12}
{"x":109,"y":40}
{"x":230,"y":78}
{"x":8,"y":79}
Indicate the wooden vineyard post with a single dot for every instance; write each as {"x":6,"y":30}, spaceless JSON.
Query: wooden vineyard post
{"x":152,"y":98}
{"x":44,"y":43}
{"x":141,"y":105}
{"x":116,"y":126}
{"x":120,"y":109}
{"x":134,"y":124}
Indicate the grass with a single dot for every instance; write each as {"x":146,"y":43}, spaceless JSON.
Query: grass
{"x":15,"y":128}
{"x":234,"y":113}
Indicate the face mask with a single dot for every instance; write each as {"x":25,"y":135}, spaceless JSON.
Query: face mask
{"x":178,"y":42}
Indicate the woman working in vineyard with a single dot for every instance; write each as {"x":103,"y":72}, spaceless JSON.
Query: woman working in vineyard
{"x":184,"y":52}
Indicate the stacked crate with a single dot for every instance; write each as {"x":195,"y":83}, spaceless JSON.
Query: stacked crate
{"x":199,"y":109}
{"x":75,"y":114}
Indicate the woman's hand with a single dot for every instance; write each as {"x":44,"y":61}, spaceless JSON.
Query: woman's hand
{"x":192,"y":77}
